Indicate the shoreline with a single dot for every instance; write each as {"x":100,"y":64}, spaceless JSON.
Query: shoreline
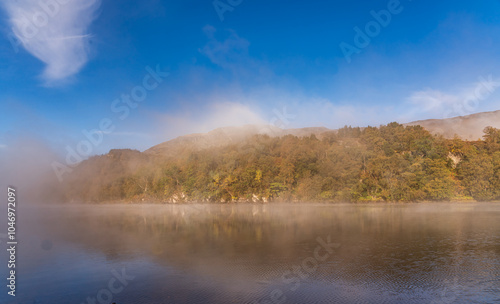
{"x":272,"y":202}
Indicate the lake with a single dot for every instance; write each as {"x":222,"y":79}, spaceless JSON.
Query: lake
{"x":274,"y":253}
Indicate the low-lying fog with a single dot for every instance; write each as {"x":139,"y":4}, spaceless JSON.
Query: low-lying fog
{"x":276,"y":253}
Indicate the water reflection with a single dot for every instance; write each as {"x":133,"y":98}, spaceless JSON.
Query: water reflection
{"x":386,"y":253}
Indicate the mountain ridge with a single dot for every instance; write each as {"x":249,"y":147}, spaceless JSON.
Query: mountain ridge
{"x":227,"y":135}
{"x":391,"y":162}
{"x":469,"y":127}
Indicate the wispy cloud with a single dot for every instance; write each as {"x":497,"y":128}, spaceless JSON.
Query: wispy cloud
{"x":275,"y":107}
{"x":126,"y":134}
{"x":433,"y":101}
{"x":228,"y":52}
{"x":207,"y":118}
{"x":315,"y":112}
{"x":463,"y":101}
{"x":56,"y":32}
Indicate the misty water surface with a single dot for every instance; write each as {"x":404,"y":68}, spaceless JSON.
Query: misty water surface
{"x":383,"y":253}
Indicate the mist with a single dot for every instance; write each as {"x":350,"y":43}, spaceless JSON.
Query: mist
{"x":25,"y":164}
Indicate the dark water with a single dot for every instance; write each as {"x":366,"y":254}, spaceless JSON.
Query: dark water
{"x":300,"y":253}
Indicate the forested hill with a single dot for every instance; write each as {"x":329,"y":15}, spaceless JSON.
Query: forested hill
{"x":469,"y":127}
{"x":465,"y":127}
{"x":390,"y":163}
{"x":226,"y":136}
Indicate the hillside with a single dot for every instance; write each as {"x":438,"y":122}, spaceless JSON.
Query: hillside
{"x":226,"y":136}
{"x":468,"y":127}
{"x":388,"y":163}
{"x":465,"y":127}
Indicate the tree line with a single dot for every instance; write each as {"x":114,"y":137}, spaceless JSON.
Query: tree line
{"x":386,"y":163}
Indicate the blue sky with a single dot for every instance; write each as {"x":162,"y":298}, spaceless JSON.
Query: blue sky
{"x":274,"y":62}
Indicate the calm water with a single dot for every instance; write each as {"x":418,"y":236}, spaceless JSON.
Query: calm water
{"x":300,"y":253}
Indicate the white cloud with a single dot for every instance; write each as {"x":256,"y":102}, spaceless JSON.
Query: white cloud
{"x":128,"y":134}
{"x":275,"y":108}
{"x":433,"y":101}
{"x":315,"y":112}
{"x":227,"y":53}
{"x":464,"y":101}
{"x":207,"y":118}
{"x":54,"y":31}
{"x":429,"y":103}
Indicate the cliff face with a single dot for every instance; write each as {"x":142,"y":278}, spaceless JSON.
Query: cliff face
{"x":468,"y":127}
